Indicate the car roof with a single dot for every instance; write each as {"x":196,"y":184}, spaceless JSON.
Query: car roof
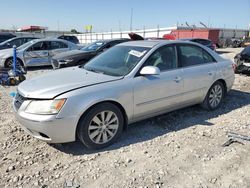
{"x":50,"y":39}
{"x":142,"y":43}
{"x":152,"y":43}
{"x":6,"y":34}
{"x":23,"y":37}
{"x":111,"y":40}
{"x":193,"y":39}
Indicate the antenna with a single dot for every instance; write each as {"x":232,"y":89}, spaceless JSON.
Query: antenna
{"x":187,"y":24}
{"x":203,"y":24}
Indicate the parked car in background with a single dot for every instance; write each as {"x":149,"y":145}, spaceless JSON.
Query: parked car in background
{"x":246,"y":42}
{"x":242,"y":61}
{"x":206,"y":42}
{"x":129,"y":82}
{"x":17,"y":41}
{"x":6,"y":36}
{"x":70,"y":38}
{"x":37,"y":52}
{"x":82,"y":56}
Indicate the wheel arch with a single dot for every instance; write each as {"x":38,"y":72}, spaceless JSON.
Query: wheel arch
{"x":224,"y":84}
{"x":105,"y":101}
{"x":11,"y":57}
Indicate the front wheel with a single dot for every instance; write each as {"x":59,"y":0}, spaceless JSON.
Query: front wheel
{"x":9,"y":63}
{"x":214,"y":96}
{"x":101,"y":126}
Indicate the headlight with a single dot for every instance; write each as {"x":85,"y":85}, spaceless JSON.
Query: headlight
{"x":69,"y":60}
{"x":66,"y":61}
{"x":45,"y":106}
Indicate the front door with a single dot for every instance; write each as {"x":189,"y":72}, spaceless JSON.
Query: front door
{"x":37,"y":54}
{"x":156,"y":93}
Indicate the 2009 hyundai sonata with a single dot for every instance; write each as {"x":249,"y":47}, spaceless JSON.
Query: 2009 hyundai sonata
{"x":129,"y":82}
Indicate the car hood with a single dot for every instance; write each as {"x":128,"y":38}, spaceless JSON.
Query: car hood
{"x":60,"y":81}
{"x":72,"y":53}
{"x":5,"y":52}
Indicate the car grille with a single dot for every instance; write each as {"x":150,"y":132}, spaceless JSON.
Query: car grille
{"x":18,"y":101}
{"x":55,"y":64}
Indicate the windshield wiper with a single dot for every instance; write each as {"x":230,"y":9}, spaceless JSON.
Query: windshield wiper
{"x":94,"y":70}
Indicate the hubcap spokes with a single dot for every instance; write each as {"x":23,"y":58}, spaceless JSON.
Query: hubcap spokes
{"x":215,"y":96}
{"x":103,"y":127}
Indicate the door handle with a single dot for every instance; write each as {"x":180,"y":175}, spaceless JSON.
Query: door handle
{"x":177,"y":79}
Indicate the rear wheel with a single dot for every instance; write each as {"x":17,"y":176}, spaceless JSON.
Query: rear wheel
{"x":214,"y":96}
{"x":101,"y":126}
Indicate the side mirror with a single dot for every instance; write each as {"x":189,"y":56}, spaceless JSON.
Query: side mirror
{"x":104,"y":49}
{"x":150,"y":70}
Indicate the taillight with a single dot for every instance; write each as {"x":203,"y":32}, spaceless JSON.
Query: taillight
{"x":214,"y":46}
{"x":234,"y":67}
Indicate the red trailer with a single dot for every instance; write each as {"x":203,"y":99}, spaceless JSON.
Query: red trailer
{"x":211,"y":34}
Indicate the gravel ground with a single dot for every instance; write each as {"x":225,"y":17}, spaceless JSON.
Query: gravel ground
{"x":178,"y":149}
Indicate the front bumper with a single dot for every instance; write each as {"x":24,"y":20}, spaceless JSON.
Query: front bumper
{"x":2,"y":61}
{"x":57,"y":64}
{"x":47,"y":128}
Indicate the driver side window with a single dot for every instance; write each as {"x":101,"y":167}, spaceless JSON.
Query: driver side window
{"x":39,"y":46}
{"x":164,"y":58}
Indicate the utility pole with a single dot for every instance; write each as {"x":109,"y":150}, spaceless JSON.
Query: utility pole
{"x":58,"y":26}
{"x":131,"y":20}
{"x":119,"y":24}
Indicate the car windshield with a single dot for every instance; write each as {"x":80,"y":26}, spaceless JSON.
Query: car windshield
{"x":117,"y":61}
{"x":25,"y":45}
{"x":93,"y":46}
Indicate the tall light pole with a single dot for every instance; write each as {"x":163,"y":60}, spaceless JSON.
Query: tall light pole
{"x":131,"y":19}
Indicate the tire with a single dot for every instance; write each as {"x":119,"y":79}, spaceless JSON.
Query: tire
{"x":9,"y":63}
{"x":13,"y":81}
{"x":21,"y":78}
{"x":95,"y":133}
{"x":214,"y":97}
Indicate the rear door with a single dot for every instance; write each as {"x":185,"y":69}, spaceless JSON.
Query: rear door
{"x":57,"y":47}
{"x":37,"y":54}
{"x":199,"y":70}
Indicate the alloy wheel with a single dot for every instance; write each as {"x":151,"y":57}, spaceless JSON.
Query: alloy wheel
{"x":215,"y":95}
{"x":103,"y":127}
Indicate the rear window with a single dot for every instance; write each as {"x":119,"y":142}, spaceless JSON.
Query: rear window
{"x":73,"y":39}
{"x":57,"y":45}
{"x":193,"y":55}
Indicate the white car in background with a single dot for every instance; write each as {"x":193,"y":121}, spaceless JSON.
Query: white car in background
{"x":37,"y":52}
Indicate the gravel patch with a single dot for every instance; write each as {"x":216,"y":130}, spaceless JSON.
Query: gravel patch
{"x":178,"y":149}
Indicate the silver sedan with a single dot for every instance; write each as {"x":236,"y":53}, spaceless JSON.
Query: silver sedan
{"x":129,"y":82}
{"x":36,"y":52}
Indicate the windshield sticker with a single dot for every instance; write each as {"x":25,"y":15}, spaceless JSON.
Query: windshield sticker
{"x":137,"y":53}
{"x":99,"y":43}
